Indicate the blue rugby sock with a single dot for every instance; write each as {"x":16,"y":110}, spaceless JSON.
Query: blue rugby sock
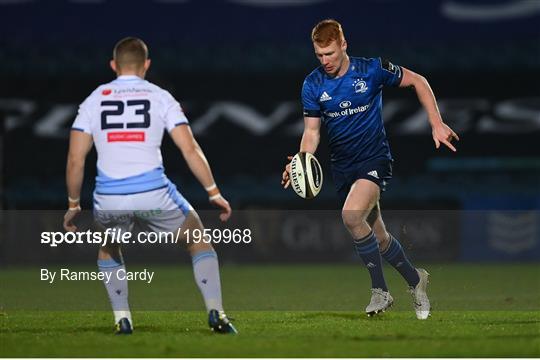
{"x":368,"y":249}
{"x":396,"y":257}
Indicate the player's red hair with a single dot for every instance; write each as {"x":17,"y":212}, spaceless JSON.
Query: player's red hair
{"x":327,"y":31}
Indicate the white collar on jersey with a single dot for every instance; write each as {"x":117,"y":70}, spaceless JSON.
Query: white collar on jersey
{"x":128,"y":77}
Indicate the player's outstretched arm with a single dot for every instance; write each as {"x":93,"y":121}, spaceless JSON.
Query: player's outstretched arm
{"x":192,"y":152}
{"x":309,"y":143}
{"x":441,"y":132}
{"x":80,"y":144}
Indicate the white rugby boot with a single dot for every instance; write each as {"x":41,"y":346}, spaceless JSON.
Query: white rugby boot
{"x":380,"y":302}
{"x":419,"y":294}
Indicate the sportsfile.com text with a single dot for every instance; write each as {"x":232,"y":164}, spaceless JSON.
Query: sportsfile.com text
{"x":118,"y":236}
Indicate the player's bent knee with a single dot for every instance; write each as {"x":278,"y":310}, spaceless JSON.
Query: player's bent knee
{"x":353,"y":217}
{"x":354,"y":221}
{"x":350,"y":218}
{"x":109,"y":251}
{"x":195,"y":248}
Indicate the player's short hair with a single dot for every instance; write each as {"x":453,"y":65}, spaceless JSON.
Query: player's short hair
{"x":130,"y":52}
{"x":327,"y":31}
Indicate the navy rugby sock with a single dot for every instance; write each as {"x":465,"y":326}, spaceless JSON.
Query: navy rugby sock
{"x":368,"y":249}
{"x":396,"y":257}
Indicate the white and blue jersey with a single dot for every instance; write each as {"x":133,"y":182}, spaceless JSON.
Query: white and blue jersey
{"x":127,"y":119}
{"x":350,"y":108}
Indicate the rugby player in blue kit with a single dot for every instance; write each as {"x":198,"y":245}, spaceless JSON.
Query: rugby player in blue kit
{"x":345,"y":94}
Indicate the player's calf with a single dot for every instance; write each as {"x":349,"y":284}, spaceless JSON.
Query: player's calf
{"x":395,"y":256}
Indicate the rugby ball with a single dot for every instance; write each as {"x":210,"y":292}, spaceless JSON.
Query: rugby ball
{"x":306,"y":175}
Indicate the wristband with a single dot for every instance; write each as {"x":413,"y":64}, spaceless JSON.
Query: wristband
{"x":75,"y":208}
{"x":211,"y":187}
{"x":214,"y":197}
{"x":214,"y":191}
{"x":70,"y":199}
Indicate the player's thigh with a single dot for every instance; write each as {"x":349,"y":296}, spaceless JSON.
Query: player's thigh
{"x":161,"y":210}
{"x":191,"y":234}
{"x":362,"y":197}
{"x":113,"y":212}
{"x":193,"y":242}
{"x":117,"y":220}
{"x":174,"y":215}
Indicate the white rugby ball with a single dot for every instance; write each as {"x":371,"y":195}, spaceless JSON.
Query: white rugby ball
{"x":306,"y":175}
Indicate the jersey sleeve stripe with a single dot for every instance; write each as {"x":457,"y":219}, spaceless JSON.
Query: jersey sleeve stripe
{"x":400,"y":75}
{"x":78,"y":129}
{"x":312,"y":113}
{"x":180,"y":123}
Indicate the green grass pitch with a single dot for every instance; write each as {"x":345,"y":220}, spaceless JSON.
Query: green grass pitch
{"x":280,"y":311}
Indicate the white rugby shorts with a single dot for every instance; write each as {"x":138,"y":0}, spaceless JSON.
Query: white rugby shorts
{"x":163,"y":209}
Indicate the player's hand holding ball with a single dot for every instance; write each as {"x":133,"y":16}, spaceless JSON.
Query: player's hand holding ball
{"x":304,"y":173}
{"x":285,"y":180}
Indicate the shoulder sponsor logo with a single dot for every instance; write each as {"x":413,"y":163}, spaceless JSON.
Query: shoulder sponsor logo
{"x":344,"y":104}
{"x":132,"y":90}
{"x":128,"y":92}
{"x":106,"y":92}
{"x":360,"y":86}
{"x":325,"y":97}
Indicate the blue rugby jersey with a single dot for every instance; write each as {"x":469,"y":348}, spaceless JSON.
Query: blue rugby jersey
{"x":350,"y":108}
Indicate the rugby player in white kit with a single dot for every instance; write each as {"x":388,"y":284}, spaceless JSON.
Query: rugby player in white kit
{"x":126,"y":119}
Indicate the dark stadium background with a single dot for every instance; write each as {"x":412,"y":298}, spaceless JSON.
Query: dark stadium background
{"x":237,"y":68}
